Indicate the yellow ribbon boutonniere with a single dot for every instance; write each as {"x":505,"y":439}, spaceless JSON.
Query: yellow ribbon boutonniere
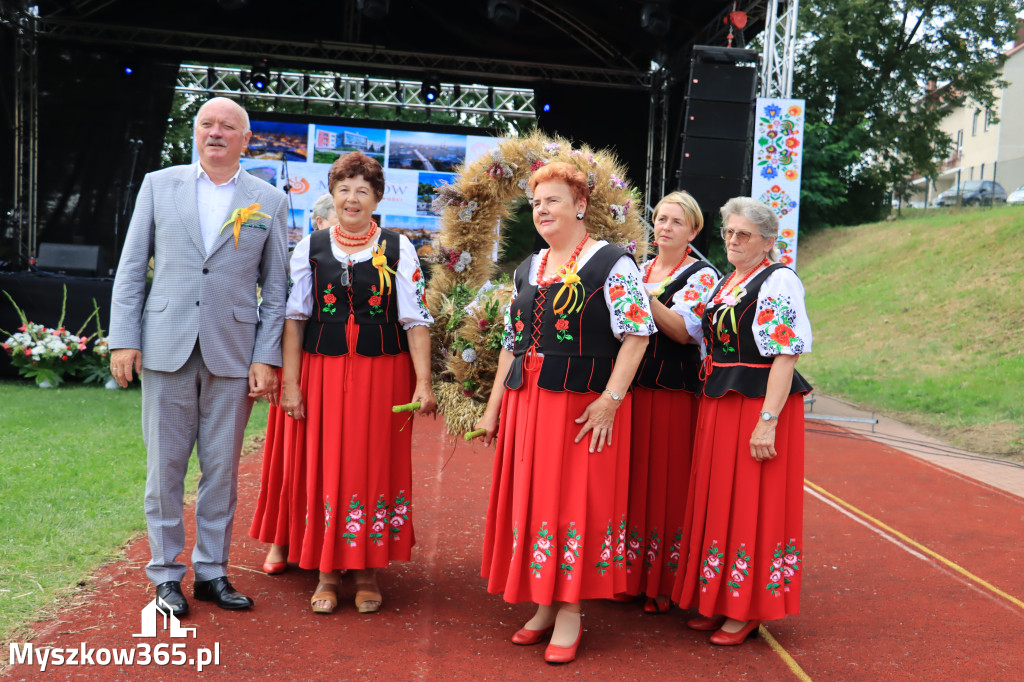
{"x":571,"y":287}
{"x":729,"y":302}
{"x":661,"y":287}
{"x":380,"y":261}
{"x":242,"y":215}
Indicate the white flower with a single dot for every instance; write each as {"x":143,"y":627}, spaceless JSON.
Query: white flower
{"x":459,"y":266}
{"x":465,"y":257}
{"x":469,"y":355}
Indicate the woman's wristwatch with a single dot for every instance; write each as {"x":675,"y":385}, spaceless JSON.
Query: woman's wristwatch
{"x":768,"y":416}
{"x":614,"y":396}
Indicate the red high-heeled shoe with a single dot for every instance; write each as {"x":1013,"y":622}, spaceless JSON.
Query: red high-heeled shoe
{"x":705,"y":624}
{"x":660,"y":605}
{"x":563,"y":654}
{"x":525,"y":637}
{"x":723,"y":638}
{"x":274,"y":568}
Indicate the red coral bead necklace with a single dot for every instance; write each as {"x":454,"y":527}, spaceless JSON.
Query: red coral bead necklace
{"x":344,"y":239}
{"x":541,"y":282}
{"x":729,"y":286}
{"x":650,"y":268}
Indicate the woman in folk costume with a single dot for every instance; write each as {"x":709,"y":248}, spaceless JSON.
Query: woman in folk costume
{"x":664,"y":412}
{"x":575,"y":331}
{"x":745,"y":509}
{"x":356,"y":343}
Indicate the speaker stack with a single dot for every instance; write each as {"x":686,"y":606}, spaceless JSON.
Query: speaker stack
{"x":718,"y":130}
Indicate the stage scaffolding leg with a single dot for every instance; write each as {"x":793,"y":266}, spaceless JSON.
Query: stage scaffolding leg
{"x":23,"y":215}
{"x":657,"y":137}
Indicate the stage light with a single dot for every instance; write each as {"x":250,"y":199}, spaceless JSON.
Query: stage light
{"x":546,"y":108}
{"x":373,"y":9}
{"x":431,"y":89}
{"x":504,"y":13}
{"x":259,"y":75}
{"x":127,"y":70}
{"x":655,"y":18}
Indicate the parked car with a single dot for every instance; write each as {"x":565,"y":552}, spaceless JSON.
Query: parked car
{"x":1016,"y":196}
{"x":973,"y":193}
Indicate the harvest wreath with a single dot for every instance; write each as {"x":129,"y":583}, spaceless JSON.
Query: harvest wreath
{"x":468,"y":307}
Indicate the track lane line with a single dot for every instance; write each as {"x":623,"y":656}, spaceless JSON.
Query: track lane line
{"x":790,"y":662}
{"x":913,"y":543}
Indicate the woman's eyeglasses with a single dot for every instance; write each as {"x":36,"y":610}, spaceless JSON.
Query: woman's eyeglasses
{"x":741,"y":236}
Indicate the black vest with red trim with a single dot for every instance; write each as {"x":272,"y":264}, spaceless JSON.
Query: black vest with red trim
{"x":340,"y":291}
{"x":734,"y":362}
{"x":667,"y":364}
{"x":579,"y":348}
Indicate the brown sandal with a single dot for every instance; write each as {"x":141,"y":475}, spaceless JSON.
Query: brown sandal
{"x":327,"y":592}
{"x":368,"y":596}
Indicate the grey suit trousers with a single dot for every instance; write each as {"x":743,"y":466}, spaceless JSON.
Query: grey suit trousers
{"x":183,"y":409}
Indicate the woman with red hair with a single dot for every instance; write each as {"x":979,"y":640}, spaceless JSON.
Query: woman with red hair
{"x":575,"y":331}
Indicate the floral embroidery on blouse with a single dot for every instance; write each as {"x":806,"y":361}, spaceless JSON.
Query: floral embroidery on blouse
{"x":740,"y":570}
{"x":354,"y":520}
{"x":689,"y":301}
{"x":421,"y":293}
{"x":630,"y":314}
{"x":571,"y":550}
{"x":541,"y":549}
{"x":508,"y":336}
{"x":785,"y":565}
{"x":774,"y":325}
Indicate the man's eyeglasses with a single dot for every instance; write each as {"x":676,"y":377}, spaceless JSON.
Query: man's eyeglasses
{"x":741,"y":236}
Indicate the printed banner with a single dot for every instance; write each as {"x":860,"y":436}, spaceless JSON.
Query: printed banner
{"x":778,"y":156}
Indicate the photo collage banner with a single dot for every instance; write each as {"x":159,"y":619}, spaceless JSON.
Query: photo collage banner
{"x":300,"y":155}
{"x":778,"y":156}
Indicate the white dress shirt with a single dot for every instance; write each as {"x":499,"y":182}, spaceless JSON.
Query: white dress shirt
{"x":214,"y":203}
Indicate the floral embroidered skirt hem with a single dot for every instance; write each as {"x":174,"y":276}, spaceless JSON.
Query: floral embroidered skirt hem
{"x":345,"y":496}
{"x":556,"y":518}
{"x":745,"y":518}
{"x":662,"y":429}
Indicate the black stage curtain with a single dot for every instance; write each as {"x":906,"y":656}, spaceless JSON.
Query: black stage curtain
{"x":39,"y":296}
{"x":89,"y":112}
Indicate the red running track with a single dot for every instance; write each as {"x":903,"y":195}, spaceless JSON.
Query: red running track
{"x":875,"y":607}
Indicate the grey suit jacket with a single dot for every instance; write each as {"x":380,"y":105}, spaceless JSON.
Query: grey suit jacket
{"x":209,"y":296}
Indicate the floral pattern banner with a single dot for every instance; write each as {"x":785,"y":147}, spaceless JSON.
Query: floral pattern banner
{"x":778,"y":161}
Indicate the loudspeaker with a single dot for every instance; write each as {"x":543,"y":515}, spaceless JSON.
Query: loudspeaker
{"x":718,"y":128}
{"x":74,"y":259}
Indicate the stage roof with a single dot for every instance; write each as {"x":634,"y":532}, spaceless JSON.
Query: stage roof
{"x":600,"y":42}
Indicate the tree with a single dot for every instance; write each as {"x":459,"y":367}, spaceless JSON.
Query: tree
{"x":863,"y":67}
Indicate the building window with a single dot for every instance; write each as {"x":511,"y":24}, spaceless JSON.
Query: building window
{"x":972,"y":173}
{"x":982,"y":176}
{"x":974,"y":122}
{"x":959,"y":141}
{"x":988,"y":118}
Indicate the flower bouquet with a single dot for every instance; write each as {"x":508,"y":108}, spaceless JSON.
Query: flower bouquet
{"x":43,"y":353}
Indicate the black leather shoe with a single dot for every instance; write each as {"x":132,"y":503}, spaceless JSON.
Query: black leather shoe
{"x":220,"y":592}
{"x":170,"y":592}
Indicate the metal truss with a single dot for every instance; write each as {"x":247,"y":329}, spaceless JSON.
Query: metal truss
{"x":657,"y":134}
{"x":22,"y":218}
{"x":358,"y":91}
{"x":779,"y":49}
{"x":342,"y":56}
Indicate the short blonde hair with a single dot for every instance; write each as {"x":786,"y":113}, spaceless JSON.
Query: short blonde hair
{"x":685,"y":201}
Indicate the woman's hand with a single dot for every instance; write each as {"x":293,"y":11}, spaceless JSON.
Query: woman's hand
{"x":762,"y":440}
{"x":598,"y":419}
{"x":489,"y":423}
{"x":291,"y":401}
{"x":424,"y":394}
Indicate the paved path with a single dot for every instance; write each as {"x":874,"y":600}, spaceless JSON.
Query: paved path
{"x":912,"y":572}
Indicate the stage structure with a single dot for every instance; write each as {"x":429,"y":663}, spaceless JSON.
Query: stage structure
{"x":608,"y":72}
{"x":341,"y":90}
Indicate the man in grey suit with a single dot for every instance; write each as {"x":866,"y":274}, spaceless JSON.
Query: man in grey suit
{"x":201,"y":343}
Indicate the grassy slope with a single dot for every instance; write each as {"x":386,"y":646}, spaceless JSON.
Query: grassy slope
{"x":924,"y":317}
{"x":73,"y":471}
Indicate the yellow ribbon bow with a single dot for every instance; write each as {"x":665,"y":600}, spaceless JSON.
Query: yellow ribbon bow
{"x":380,"y":261}
{"x":571,"y":287}
{"x":242,"y":215}
{"x":728,"y":308}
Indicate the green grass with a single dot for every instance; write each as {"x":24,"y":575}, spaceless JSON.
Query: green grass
{"x":924,"y":317}
{"x":73,"y":472}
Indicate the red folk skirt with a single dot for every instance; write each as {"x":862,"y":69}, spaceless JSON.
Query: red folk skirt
{"x":659,"y":478}
{"x":344,"y":497}
{"x":556,"y":521}
{"x":745,"y":519}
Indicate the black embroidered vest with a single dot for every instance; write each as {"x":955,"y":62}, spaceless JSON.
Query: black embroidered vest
{"x":356,"y":290}
{"x":668,"y":365}
{"x":734,"y":362}
{"x":579,"y":347}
